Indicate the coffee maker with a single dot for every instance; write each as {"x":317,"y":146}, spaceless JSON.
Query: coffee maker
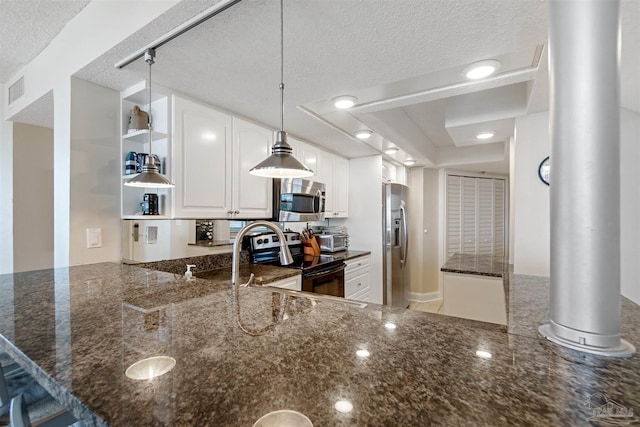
{"x":149,"y":204}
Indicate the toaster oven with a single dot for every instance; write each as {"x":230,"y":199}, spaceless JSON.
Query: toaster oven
{"x":333,"y":242}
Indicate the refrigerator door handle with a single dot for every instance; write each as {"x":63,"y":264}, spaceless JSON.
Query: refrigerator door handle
{"x":405,"y":235}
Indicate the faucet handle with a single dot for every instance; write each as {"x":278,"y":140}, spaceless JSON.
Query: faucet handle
{"x":249,"y":282}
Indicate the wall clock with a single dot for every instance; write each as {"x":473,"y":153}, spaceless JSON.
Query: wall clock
{"x":544,"y":170}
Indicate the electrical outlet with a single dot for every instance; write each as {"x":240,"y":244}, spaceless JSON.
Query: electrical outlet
{"x":94,"y":238}
{"x":152,"y":234}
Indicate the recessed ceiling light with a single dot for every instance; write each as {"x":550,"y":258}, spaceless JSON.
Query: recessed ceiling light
{"x":485,"y":135}
{"x":391,"y":150}
{"x":481,"y":69}
{"x":409,"y":162}
{"x":363,"y":134}
{"x":345,"y":101}
{"x":390,"y":325}
{"x":362,"y":353}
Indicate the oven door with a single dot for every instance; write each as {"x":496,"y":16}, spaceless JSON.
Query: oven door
{"x":326,"y":281}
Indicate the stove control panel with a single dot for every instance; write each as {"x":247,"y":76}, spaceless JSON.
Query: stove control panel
{"x":271,"y":240}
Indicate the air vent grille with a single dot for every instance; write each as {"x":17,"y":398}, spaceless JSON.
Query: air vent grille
{"x":16,"y":90}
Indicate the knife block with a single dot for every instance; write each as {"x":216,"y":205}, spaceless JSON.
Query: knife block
{"x":311,"y":247}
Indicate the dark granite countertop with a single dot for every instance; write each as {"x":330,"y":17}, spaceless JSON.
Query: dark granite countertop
{"x":212,"y":243}
{"x":348,"y":254}
{"x":263,"y":274}
{"x":479,"y":265}
{"x":78,"y":329}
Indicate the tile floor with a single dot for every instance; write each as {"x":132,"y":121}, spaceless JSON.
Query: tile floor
{"x":430,"y":307}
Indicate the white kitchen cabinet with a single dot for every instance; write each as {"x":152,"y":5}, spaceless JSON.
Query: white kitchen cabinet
{"x":333,"y":171}
{"x":213,"y":154}
{"x":357,"y":278}
{"x":203,"y":158}
{"x":251,"y":194}
{"x":294,"y":283}
{"x":138,"y":141}
{"x":340,"y":187}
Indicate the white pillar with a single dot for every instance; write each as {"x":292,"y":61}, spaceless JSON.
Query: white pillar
{"x":6,"y":189}
{"x":584,"y":46}
{"x":61,"y":172}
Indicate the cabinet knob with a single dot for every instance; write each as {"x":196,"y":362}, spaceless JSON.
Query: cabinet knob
{"x":236,"y":212}
{"x":359,"y":284}
{"x":229,"y":212}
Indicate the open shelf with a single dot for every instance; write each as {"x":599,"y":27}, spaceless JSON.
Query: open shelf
{"x":143,"y":136}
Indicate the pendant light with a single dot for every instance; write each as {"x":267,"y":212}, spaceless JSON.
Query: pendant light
{"x":150,"y":176}
{"x":281,"y":163}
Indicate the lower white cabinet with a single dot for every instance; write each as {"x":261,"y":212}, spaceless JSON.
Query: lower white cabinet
{"x":294,"y":283}
{"x":357,"y":279}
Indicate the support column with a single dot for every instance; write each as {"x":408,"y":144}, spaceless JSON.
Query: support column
{"x":61,"y":172}
{"x":584,"y":48}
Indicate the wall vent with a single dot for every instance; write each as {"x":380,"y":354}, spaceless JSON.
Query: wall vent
{"x":16,"y":90}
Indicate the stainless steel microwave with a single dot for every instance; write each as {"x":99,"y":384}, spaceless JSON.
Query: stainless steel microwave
{"x":297,"y":199}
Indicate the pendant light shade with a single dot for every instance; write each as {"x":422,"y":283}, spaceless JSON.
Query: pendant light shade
{"x":281,"y":163}
{"x":150,"y":177}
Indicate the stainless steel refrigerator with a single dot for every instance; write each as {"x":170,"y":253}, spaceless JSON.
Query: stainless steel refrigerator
{"x":395,"y":273}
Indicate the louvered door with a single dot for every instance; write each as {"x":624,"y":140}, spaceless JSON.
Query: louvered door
{"x":475,"y":215}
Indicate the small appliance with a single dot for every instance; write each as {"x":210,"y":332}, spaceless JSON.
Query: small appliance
{"x":150,"y":204}
{"x":297,"y":199}
{"x":333,"y":242}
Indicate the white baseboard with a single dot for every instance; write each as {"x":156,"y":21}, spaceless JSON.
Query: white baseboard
{"x":424,"y":296}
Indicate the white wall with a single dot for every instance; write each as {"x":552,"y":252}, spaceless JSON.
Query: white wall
{"x":415,"y":258}
{"x":531,"y":200}
{"x":531,"y":229}
{"x":630,"y":204}
{"x":365,"y":215}
{"x":424,"y":230}
{"x":512,"y":198}
{"x":57,"y":62}
{"x":6,"y":193}
{"x":94,"y":172}
{"x":33,"y":197}
{"x":173,"y":238}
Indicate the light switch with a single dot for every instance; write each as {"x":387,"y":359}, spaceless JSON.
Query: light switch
{"x":94,"y":238}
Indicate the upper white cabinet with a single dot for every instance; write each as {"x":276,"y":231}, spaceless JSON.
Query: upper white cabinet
{"x":212,"y":156}
{"x":203,"y":161}
{"x":135,"y":142}
{"x":340,"y":187}
{"x":251,"y":194}
{"x":333,"y":171}
{"x":207,"y":154}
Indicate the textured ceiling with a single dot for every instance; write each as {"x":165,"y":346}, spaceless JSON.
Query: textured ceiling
{"x":377,"y":48}
{"x":27,"y":27}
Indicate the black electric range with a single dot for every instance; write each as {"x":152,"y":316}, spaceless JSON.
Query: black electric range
{"x":320,"y":273}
